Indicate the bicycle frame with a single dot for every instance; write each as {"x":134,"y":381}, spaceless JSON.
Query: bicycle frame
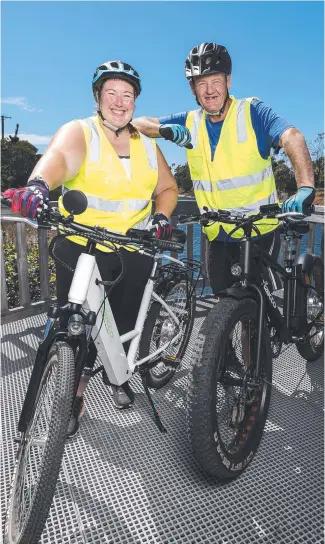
{"x":294,"y":299}
{"x":109,"y":343}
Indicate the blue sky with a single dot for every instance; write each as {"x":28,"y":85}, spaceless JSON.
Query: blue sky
{"x":51,"y":49}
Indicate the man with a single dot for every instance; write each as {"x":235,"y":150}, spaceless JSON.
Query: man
{"x":119,"y":170}
{"x":230,"y":161}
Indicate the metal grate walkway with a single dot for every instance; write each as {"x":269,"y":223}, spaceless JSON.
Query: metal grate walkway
{"x":123,"y":482}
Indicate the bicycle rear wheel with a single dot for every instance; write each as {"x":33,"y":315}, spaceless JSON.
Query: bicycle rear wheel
{"x":227,"y":404}
{"x":41,"y":449}
{"x":160,"y":328}
{"x":313,"y":347}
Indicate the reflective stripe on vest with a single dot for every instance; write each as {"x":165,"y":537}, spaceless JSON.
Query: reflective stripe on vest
{"x":94,"y":145}
{"x":150,"y":150}
{"x":244,"y":181}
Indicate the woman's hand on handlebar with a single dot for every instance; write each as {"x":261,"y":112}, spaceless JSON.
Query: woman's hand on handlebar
{"x":27,"y":201}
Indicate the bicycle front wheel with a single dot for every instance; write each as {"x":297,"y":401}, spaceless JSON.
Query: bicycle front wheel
{"x":41,"y":449}
{"x":160,"y":328}
{"x":227,"y":404}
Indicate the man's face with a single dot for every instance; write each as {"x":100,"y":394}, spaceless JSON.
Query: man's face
{"x":117,"y":99}
{"x":211,"y":90}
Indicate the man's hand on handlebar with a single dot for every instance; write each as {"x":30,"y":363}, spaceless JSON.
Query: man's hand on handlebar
{"x":300,"y":201}
{"x":28,"y":200}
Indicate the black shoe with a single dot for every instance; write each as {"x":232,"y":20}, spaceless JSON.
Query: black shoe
{"x":78,"y":410}
{"x":122,"y":395}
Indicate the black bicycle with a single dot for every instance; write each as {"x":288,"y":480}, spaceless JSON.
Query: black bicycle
{"x":230,"y":379}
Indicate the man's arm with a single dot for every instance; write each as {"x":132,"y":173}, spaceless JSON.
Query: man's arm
{"x":148,"y":126}
{"x":64,"y":156}
{"x":294,"y":145}
{"x":172,"y":127}
{"x":166,"y":192}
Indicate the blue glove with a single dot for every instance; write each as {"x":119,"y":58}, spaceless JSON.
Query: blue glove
{"x":178,"y":134}
{"x":300,"y":202}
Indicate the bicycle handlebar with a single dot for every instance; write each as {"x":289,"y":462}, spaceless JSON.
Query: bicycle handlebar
{"x":272,"y":211}
{"x":51,"y":218}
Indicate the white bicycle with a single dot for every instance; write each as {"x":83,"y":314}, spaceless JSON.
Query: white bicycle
{"x":158,"y":342}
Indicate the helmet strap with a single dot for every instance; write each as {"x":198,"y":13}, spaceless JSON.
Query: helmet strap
{"x":219,"y":112}
{"x":115,"y":129}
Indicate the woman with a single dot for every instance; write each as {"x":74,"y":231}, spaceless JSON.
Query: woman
{"x":119,"y":170}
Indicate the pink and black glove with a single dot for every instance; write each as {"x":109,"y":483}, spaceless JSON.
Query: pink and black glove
{"x":27,"y":200}
{"x":160,"y":224}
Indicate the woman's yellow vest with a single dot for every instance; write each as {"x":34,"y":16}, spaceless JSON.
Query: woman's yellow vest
{"x":238,"y":178}
{"x":114,"y":201}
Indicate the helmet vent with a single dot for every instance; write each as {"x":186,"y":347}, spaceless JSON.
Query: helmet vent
{"x":114,"y":64}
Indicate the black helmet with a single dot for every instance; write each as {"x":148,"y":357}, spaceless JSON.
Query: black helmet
{"x":207,"y":58}
{"x":119,"y":70}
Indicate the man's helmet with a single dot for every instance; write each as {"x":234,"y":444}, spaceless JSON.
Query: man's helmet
{"x":207,"y":58}
{"x":116,"y":69}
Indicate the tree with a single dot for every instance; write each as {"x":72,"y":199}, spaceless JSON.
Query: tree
{"x":183,"y":177}
{"x":316,"y":149}
{"x":284,"y":177}
{"x":18,"y":158}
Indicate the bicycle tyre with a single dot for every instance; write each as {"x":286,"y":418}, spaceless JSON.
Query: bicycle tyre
{"x":155,"y":321}
{"x":313,"y":348}
{"x":28,"y":531}
{"x":206,"y":375}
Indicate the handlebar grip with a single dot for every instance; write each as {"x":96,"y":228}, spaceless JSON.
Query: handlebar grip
{"x":6,"y":202}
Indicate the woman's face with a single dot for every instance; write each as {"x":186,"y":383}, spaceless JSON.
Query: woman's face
{"x":116,"y":101}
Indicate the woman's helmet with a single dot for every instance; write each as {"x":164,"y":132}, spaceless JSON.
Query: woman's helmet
{"x":116,"y":69}
{"x":207,"y":58}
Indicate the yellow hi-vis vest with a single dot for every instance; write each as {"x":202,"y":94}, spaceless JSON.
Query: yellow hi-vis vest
{"x":237,"y":179}
{"x":114,"y":201}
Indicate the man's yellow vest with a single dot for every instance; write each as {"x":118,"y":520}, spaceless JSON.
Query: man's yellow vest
{"x":238,"y":178}
{"x":114,"y":201}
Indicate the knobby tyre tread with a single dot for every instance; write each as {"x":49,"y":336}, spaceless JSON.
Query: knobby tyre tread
{"x":201,"y":393}
{"x":62,"y":355}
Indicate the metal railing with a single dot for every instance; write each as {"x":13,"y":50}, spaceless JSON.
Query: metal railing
{"x":27,"y":307}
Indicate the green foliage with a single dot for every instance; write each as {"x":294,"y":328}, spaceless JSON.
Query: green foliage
{"x":10,"y":262}
{"x":316,"y":149}
{"x":18,"y":158}
{"x":284,"y":177}
{"x":183,"y":177}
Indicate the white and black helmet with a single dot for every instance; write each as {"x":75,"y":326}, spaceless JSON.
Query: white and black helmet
{"x":119,"y":70}
{"x":207,"y":58}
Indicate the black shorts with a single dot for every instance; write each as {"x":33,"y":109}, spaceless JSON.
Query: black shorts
{"x":221,"y":256}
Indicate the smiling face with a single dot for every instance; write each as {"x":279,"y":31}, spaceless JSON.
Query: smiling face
{"x":116,"y":101}
{"x":211,"y":90}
